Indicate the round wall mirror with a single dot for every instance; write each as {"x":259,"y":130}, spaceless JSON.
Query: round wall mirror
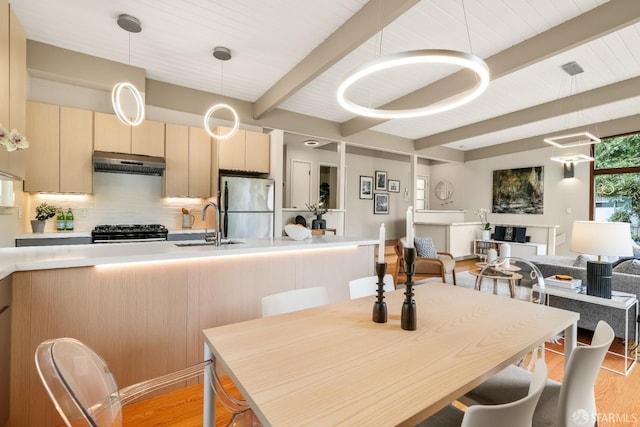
{"x":444,"y":190}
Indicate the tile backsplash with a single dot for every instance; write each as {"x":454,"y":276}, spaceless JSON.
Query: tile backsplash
{"x":122,"y":199}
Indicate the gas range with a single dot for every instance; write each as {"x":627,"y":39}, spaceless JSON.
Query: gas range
{"x":122,"y":233}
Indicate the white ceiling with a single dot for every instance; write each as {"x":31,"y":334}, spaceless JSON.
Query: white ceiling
{"x":268,"y":39}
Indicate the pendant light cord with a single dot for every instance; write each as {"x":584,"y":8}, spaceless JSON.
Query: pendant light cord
{"x":466,"y":24}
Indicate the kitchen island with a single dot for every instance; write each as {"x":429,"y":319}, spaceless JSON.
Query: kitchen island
{"x":143,"y":306}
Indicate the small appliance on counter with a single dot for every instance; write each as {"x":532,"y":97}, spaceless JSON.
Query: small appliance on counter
{"x":122,"y":233}
{"x":246,"y":207}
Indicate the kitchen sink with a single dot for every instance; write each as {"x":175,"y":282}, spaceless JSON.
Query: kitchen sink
{"x":199,"y":243}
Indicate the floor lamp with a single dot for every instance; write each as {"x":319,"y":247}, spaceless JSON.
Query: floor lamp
{"x":601,"y":239}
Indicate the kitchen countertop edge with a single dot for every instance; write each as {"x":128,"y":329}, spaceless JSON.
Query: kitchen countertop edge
{"x":69,"y":256}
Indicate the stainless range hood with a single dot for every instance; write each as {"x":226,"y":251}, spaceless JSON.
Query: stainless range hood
{"x":136,"y":164}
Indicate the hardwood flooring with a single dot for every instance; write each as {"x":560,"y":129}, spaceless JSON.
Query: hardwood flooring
{"x":617,"y":396}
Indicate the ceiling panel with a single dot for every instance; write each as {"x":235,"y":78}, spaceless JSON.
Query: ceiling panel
{"x":268,"y":39}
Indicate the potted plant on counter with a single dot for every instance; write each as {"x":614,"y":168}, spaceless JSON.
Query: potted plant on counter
{"x":44,"y":211}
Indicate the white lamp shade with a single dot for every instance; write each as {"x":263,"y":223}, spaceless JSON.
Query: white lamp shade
{"x":601,"y":238}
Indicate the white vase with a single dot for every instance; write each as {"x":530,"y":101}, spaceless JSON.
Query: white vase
{"x":486,"y":234}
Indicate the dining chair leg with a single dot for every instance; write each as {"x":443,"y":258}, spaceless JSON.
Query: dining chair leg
{"x":453,"y":274}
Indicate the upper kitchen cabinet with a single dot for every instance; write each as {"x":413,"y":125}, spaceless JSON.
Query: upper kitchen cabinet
{"x":59,"y":158}
{"x":188,"y":167}
{"x":114,"y":136}
{"x":245,"y":151}
{"x":13,"y":86}
{"x":148,"y":138}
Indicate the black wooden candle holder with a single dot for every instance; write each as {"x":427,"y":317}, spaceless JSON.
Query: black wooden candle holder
{"x":380,"y":307}
{"x":408,"y":317}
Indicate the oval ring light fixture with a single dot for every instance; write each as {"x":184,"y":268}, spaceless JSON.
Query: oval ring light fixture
{"x":213,"y":109}
{"x":116,"y":93}
{"x":440,"y":56}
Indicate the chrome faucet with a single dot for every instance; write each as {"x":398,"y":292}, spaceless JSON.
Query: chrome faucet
{"x":216,"y":235}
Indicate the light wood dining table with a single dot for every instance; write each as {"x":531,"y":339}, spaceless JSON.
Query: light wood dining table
{"x":332,"y":365}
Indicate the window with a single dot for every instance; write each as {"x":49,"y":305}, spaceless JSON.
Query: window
{"x":616,"y":184}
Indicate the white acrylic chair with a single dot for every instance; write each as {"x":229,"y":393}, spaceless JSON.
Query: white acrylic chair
{"x":512,"y":414}
{"x":297,"y":299}
{"x":367,"y":286}
{"x":85,"y":392}
{"x":560,"y":403}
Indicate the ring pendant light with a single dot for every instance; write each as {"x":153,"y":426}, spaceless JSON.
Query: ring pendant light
{"x":130,"y":24}
{"x":117,"y":106}
{"x":213,"y":109}
{"x":223,"y":54}
{"x":441,"y":56}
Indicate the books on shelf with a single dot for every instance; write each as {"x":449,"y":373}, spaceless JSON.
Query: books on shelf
{"x":564,"y":284}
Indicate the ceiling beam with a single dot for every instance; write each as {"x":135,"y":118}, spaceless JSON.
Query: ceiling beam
{"x":608,"y":128}
{"x":364,"y":24}
{"x":608,"y":18}
{"x":619,"y":91}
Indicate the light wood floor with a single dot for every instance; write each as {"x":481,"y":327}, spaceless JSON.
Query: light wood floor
{"x":617,"y":397}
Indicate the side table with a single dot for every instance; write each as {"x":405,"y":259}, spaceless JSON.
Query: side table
{"x":619,"y":300}
{"x":509,"y":275}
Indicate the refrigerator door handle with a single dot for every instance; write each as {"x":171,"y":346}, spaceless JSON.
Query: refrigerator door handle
{"x":226,"y":197}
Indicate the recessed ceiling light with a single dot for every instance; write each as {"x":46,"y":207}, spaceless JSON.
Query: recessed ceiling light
{"x":311,"y":142}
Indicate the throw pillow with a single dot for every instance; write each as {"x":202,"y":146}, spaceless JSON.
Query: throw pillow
{"x":631,"y":266}
{"x":424,"y":247}
{"x":581,"y":260}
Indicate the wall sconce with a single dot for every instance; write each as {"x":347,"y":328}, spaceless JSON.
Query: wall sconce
{"x":569,"y":162}
{"x":569,"y":170}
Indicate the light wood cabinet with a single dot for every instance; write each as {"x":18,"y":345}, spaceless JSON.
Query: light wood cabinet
{"x":188,"y":155}
{"x":76,"y":151}
{"x":176,"y":173}
{"x":257,"y":152}
{"x":13,"y":86}
{"x":245,"y":151}
{"x":199,"y":163}
{"x":59,"y":157}
{"x":112,"y":135}
{"x":4,"y":63}
{"x":148,"y":138}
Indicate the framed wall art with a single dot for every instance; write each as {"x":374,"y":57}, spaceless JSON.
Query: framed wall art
{"x":366,"y":187}
{"x":394,"y":185}
{"x":381,"y":203}
{"x":518,"y":191}
{"x":381,"y":181}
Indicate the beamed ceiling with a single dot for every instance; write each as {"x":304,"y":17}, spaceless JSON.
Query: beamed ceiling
{"x":290,"y":57}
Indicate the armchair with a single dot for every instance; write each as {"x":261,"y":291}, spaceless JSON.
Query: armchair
{"x":426,"y":267}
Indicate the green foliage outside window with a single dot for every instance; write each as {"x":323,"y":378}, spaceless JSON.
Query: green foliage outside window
{"x":620,"y":189}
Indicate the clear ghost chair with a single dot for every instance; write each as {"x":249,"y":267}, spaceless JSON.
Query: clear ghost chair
{"x":85,"y":392}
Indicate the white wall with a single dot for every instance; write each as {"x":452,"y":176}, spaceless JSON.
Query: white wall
{"x":360,"y":219}
{"x":565,"y":200}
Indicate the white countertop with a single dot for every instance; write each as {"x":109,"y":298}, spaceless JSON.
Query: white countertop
{"x":68,"y":256}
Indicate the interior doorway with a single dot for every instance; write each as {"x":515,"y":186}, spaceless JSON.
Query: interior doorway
{"x":300,"y":183}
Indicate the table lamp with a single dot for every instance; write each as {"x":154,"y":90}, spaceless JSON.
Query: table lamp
{"x":601,"y":239}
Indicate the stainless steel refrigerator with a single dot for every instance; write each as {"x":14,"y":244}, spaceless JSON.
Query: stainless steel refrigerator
{"x":246,"y":207}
